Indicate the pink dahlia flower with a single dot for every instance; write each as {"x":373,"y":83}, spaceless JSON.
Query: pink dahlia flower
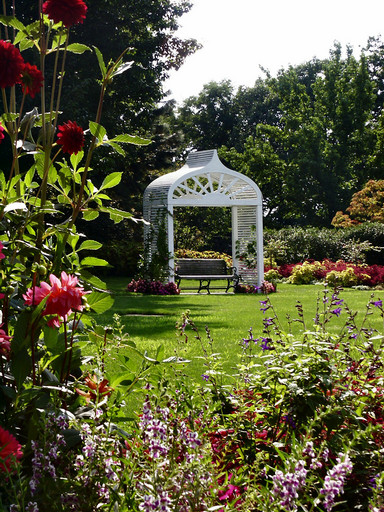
{"x":64,"y":296}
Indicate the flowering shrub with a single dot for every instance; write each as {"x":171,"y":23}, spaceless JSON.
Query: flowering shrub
{"x":266,"y":288}
{"x":336,"y":273}
{"x":305,"y":273}
{"x":152,"y":287}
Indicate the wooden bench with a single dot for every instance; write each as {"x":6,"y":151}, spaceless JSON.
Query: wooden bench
{"x":205,"y":271}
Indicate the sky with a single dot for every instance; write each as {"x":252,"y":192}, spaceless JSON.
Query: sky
{"x":239,"y":36}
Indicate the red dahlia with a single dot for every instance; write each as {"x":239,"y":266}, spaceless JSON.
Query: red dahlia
{"x":10,"y":451}
{"x":11,"y":65}
{"x":32,"y":80}
{"x":71,"y":137}
{"x":70,"y":12}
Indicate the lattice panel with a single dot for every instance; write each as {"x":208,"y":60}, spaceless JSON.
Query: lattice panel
{"x":246,"y":232}
{"x":222,"y":186}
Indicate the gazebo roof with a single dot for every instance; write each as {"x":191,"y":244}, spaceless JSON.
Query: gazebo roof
{"x":203,"y":181}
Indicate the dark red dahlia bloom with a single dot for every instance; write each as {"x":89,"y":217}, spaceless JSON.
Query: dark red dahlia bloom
{"x":11,"y":65}
{"x":71,"y":137}
{"x":70,"y":12}
{"x":31,"y":80}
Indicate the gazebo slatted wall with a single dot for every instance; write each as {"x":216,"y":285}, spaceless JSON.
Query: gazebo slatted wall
{"x":205,"y":181}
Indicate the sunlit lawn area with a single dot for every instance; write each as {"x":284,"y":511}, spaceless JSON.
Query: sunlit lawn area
{"x":151,"y":320}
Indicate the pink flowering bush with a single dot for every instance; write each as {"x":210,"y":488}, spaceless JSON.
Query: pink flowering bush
{"x":149,"y":287}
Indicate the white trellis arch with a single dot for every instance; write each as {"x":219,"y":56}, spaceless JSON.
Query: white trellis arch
{"x":205,"y":181}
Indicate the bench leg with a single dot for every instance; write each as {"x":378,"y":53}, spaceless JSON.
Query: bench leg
{"x":204,"y":286}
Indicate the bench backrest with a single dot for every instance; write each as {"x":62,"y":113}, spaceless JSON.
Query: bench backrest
{"x":196,"y":267}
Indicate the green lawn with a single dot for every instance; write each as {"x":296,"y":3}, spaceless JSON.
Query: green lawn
{"x":151,"y":320}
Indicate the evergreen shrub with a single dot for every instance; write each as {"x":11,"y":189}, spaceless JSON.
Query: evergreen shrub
{"x":311,"y":243}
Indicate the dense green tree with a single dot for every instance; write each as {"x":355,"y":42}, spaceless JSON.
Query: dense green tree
{"x":310,"y":137}
{"x":145,"y":30}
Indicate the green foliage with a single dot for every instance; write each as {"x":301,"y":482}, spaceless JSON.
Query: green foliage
{"x":355,"y":244}
{"x":313,"y":132}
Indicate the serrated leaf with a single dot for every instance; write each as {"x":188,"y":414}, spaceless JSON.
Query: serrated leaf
{"x":78,"y":48}
{"x":11,"y":21}
{"x":111,"y":180}
{"x":9,"y":118}
{"x":100,"y":302}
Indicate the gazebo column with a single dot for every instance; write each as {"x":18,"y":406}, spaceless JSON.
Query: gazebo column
{"x":235,"y":237}
{"x":260,"y":246}
{"x":171,"y":246}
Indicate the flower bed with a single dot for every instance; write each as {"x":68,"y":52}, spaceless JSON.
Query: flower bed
{"x":152,"y":287}
{"x":335,"y":273}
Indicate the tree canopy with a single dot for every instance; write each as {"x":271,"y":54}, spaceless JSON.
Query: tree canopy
{"x":310,"y":137}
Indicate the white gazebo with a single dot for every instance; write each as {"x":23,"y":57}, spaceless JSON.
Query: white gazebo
{"x":205,"y":181}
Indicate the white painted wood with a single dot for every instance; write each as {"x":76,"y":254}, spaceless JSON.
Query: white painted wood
{"x":205,"y":181}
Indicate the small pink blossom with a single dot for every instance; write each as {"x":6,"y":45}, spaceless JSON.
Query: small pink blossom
{"x":5,"y":344}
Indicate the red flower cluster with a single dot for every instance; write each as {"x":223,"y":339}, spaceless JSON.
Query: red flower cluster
{"x":31,"y":80}
{"x":63,"y":297}
{"x":97,"y":390}
{"x":10,"y":451}
{"x":69,"y":12}
{"x":71,"y":137}
{"x":13,"y":70}
{"x":11,"y":65}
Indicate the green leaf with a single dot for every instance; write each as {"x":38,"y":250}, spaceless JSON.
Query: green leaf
{"x":25,"y":44}
{"x":115,"y":212}
{"x":111,"y":180}
{"x":100,"y":302}
{"x":131,"y":139}
{"x":91,"y":261}
{"x":76,"y":159}
{"x":63,"y":199}
{"x":21,"y":366}
{"x":100,"y":60}
{"x":90,"y":214}
{"x":78,"y":48}
{"x":97,"y":130}
{"x":123,"y":68}
{"x":92,"y":280}
{"x":90,"y":245}
{"x":8,"y":118}
{"x":11,"y":21}
{"x":115,"y":146}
